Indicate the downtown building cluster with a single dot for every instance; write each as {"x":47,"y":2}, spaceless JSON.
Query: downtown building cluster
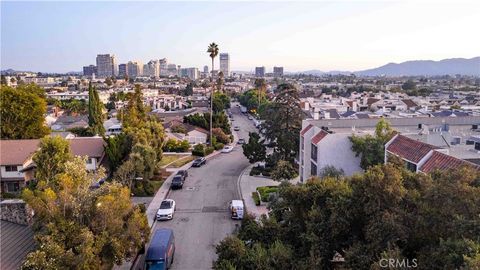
{"x":107,"y":66}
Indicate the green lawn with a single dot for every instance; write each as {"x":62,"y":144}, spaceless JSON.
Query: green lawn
{"x":181,"y":162}
{"x":169,"y":158}
{"x":156,"y":185}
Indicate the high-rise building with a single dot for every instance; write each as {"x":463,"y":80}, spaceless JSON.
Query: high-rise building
{"x":191,"y":73}
{"x":122,"y":70}
{"x":172,"y":70}
{"x":225,"y":64}
{"x":163,"y":67}
{"x":278,"y":71}
{"x":205,"y":69}
{"x":260,"y":72}
{"x":89,"y":70}
{"x":152,"y":68}
{"x":134,"y":69}
{"x":106,"y":65}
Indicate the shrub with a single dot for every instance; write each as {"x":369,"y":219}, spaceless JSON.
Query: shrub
{"x":256,"y":198}
{"x":219,"y":146}
{"x":209,"y":150}
{"x":220,"y":135}
{"x":266,"y":191}
{"x":177,"y":146}
{"x":199,"y":150}
{"x":148,"y":188}
{"x":6,"y":195}
{"x":257,"y":170}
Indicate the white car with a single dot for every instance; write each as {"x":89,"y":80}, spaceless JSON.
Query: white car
{"x":227,"y":149}
{"x":166,"y":210}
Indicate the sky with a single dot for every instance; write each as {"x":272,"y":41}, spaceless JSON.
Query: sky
{"x":342,"y":35}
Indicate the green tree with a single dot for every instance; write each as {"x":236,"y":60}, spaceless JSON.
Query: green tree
{"x":189,"y":89}
{"x":117,"y":149}
{"x":284,"y":170}
{"x":80,"y":228}
{"x":22,"y":112}
{"x":254,"y":150}
{"x":331,"y":171}
{"x":135,"y":114}
{"x":409,"y":85}
{"x":54,"y":152}
{"x":95,"y":111}
{"x":109,"y":81}
{"x":213,"y":52}
{"x":371,"y":149}
{"x":283,"y":120}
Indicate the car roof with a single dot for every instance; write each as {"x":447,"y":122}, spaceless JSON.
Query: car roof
{"x":237,"y":203}
{"x":159,"y":244}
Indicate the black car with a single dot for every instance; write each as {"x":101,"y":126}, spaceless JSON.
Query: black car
{"x":199,"y":162}
{"x":177,"y":182}
{"x":183,"y":173}
{"x":241,"y":141}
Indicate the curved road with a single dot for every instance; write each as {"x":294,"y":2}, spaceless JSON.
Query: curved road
{"x":201,"y":218}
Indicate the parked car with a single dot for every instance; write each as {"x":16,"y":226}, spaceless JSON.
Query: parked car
{"x":236,"y":128}
{"x":250,"y":118}
{"x":227,"y":149}
{"x":241,"y":141}
{"x":183,"y":173}
{"x":199,"y":162}
{"x":177,"y":182}
{"x":161,"y":251}
{"x":236,"y":209}
{"x":166,"y":210}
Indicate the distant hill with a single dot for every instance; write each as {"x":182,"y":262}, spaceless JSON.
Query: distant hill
{"x":427,"y":67}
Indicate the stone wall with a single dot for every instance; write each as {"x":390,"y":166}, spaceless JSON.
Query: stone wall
{"x":16,"y":211}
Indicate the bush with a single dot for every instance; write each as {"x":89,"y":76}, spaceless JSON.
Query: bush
{"x":199,"y":150}
{"x":6,"y":195}
{"x":266,"y":191}
{"x":220,"y":135}
{"x":257,"y":170}
{"x":209,"y":150}
{"x":143,"y":189}
{"x":256,"y":198}
{"x":177,"y":146}
{"x":219,"y":146}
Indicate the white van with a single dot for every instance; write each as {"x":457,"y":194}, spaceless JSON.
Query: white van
{"x":236,"y":209}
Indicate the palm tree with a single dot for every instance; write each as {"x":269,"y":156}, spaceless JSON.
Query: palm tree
{"x":213,"y":51}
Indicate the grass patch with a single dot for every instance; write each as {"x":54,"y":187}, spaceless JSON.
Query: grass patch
{"x":166,"y":159}
{"x":265,"y":192}
{"x":181,"y":162}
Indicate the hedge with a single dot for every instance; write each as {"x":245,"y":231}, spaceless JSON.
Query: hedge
{"x":265,"y":192}
{"x":256,"y":198}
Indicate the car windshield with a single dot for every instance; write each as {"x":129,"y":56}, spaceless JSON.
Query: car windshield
{"x":177,"y":178}
{"x":154,"y":265}
{"x":165,"y":205}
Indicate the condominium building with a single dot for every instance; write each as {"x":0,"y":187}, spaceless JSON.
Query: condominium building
{"x":260,"y":72}
{"x":225,"y":64}
{"x":89,"y":70}
{"x":122,"y":70}
{"x":278,"y":71}
{"x":191,"y":73}
{"x":106,"y":65}
{"x":134,"y":69}
{"x":205,"y":69}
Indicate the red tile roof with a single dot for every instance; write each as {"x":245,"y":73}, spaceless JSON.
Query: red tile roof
{"x":319,"y":136}
{"x":441,"y":161}
{"x":409,"y":149}
{"x":305,"y":130}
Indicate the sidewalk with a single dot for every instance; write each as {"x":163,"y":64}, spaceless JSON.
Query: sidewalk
{"x":249,"y":184}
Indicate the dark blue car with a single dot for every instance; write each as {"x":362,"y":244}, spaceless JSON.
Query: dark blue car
{"x":161,"y":251}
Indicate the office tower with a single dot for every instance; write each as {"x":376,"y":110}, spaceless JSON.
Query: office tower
{"x":260,"y":72}
{"x":278,"y":71}
{"x":134,"y":69}
{"x":225,"y":64}
{"x":89,"y":70}
{"x":172,"y":70}
{"x":122,"y":70}
{"x":205,"y":69}
{"x":106,"y":65}
{"x":191,"y":73}
{"x":163,"y":67}
{"x":152,"y":68}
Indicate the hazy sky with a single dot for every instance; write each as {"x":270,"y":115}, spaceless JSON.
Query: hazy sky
{"x":346,"y":35}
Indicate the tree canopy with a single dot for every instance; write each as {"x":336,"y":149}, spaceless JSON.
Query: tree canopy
{"x":23,"y":112}
{"x":95,"y":111}
{"x":388,"y":212}
{"x":254,"y":150}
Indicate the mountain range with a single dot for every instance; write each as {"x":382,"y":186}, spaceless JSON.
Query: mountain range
{"x":452,"y":66}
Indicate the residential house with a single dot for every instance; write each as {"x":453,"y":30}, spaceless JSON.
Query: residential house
{"x":193,"y":134}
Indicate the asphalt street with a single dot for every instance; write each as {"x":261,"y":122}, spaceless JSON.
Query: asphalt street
{"x":201,"y":219}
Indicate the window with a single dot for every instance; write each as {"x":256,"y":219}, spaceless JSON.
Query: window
{"x":301,"y":142}
{"x":13,"y":187}
{"x":11,"y":168}
{"x":313,"y":169}
{"x":314,"y":152}
{"x":89,"y":161}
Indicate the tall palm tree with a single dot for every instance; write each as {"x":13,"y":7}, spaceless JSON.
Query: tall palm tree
{"x":213,"y":51}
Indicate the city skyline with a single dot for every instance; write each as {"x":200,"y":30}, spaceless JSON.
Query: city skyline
{"x":304,"y":36}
